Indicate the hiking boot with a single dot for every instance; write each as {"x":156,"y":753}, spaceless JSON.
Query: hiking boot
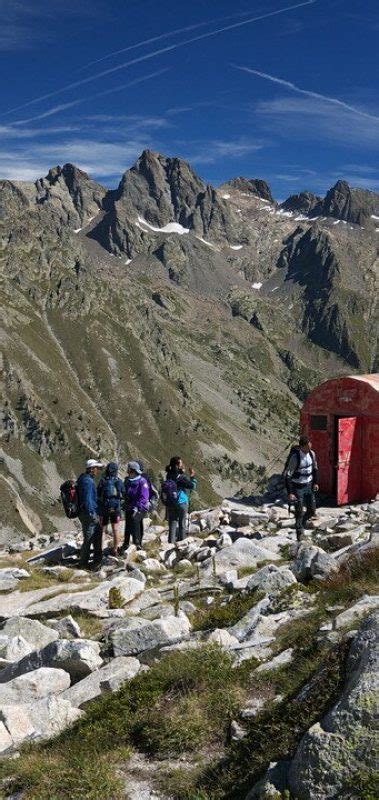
{"x":96,"y":566}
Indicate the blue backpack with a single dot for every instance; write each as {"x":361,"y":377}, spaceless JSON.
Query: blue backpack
{"x":110,"y":490}
{"x":169,"y":493}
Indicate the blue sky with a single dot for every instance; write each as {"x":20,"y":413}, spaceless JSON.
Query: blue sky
{"x":285,"y":91}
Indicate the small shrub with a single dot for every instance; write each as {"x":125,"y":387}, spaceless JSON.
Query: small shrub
{"x":115,"y":598}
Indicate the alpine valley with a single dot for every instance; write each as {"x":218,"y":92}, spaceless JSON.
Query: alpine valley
{"x":169,"y":316}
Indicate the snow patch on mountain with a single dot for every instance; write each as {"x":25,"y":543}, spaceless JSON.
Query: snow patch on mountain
{"x":171,"y":227}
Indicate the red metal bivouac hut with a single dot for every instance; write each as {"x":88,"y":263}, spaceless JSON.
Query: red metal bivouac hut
{"x":341,"y":417}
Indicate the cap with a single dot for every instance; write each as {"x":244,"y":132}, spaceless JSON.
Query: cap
{"x":93,"y":462}
{"x":134,"y":465}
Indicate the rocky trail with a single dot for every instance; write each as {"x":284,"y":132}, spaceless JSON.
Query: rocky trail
{"x":236,"y":664}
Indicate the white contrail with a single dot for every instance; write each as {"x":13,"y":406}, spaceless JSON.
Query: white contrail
{"x":63,"y":106}
{"x":159,"y":52}
{"x":166,"y":35}
{"x":308,"y":93}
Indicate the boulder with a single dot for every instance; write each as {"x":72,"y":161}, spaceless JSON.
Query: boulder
{"x":18,"y":603}
{"x":94,"y":601}
{"x":141,"y":635}
{"x":78,"y":658}
{"x":13,"y":572}
{"x":222,"y":637}
{"x":244,"y":516}
{"x":108,"y":678}
{"x":237,"y":731}
{"x":149,"y":599}
{"x":355,"y":613}
{"x":313,"y":562}
{"x":224,"y":541}
{"x":52,"y":715}
{"x":18,"y":723}
{"x":34,"y":686}
{"x":12,"y":649}
{"x":184,"y":564}
{"x":153,"y":566}
{"x":8,"y":584}
{"x":342,"y":745}
{"x":66,"y":627}
{"x":6,"y":741}
{"x":248,"y":622}
{"x":278,"y":661}
{"x":270,"y":579}
{"x":32,"y":631}
{"x":243,"y":553}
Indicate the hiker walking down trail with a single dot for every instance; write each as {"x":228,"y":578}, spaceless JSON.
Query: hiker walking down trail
{"x":89,"y":515}
{"x":301,"y":477}
{"x":136,"y":504}
{"x":175,"y":496}
{"x":110,"y":492}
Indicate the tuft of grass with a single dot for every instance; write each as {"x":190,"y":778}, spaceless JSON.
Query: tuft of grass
{"x":357,"y":576}
{"x":42,"y":580}
{"x":222,"y":614}
{"x":243,"y":572}
{"x":54,"y":772}
{"x":115,"y":598}
{"x":274,"y":733}
{"x":184,"y":702}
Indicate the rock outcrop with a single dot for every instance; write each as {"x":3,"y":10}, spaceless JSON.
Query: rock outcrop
{"x":340,"y":747}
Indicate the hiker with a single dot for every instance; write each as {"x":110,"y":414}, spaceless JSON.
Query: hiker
{"x":110,"y":492}
{"x":89,"y":515}
{"x":153,"y":491}
{"x":136,"y":504}
{"x":301,"y":477}
{"x":175,"y":495}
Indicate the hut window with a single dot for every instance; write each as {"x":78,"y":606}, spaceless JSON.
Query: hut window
{"x":319,"y":423}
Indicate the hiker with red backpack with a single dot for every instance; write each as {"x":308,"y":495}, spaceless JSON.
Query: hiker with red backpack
{"x":110,"y":492}
{"x":88,"y":514}
{"x":301,"y":478}
{"x":136,"y":504}
{"x":175,"y":493}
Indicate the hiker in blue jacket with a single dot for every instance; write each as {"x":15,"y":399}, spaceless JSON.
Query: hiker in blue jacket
{"x":177,"y":502}
{"x":89,"y":514}
{"x":110,"y":493}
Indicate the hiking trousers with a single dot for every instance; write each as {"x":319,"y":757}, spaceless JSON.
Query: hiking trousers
{"x":177,"y":522}
{"x":92,"y":536}
{"x":305,"y":497}
{"x":133,"y":528}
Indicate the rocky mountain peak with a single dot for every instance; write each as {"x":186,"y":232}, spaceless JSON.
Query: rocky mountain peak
{"x":157,"y":192}
{"x":352,"y":205}
{"x":253,"y":186}
{"x":161,"y":189}
{"x":304,"y":202}
{"x":72,"y":192}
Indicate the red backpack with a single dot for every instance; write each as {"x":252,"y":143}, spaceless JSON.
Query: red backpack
{"x":69,"y":497}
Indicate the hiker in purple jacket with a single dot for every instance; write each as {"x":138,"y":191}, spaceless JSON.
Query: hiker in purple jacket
{"x":136,"y":504}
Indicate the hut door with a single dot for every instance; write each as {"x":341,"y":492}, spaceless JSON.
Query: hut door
{"x":349,"y":460}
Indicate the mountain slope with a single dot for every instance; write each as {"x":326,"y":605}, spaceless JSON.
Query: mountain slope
{"x":162,"y":317}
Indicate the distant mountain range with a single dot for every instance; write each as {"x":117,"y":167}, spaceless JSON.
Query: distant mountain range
{"x":167,"y":315}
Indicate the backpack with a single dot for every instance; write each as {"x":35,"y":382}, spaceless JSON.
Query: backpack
{"x":69,"y":498}
{"x":153,"y":497}
{"x":110,"y":490}
{"x":295,"y":450}
{"x":169,"y":493}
